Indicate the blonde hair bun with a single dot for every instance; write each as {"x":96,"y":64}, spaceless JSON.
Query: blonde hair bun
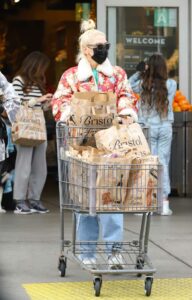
{"x":87,"y":25}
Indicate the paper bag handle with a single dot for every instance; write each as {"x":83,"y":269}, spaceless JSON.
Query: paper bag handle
{"x":100,"y":93}
{"x":107,"y":108}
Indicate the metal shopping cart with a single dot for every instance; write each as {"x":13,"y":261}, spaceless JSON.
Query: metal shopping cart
{"x":82,"y":186}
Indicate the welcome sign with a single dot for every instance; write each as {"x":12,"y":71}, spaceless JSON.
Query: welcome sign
{"x":146,"y":41}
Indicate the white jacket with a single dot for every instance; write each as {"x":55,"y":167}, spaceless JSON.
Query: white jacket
{"x":11,"y":102}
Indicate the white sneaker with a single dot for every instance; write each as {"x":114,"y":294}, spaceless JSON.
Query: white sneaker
{"x":116,"y":262}
{"x":167,"y":212}
{"x":89,"y":261}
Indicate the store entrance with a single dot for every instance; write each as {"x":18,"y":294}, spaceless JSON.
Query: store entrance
{"x":136,"y":32}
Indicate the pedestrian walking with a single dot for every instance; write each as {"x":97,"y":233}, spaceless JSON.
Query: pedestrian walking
{"x":94,"y":72}
{"x":31,"y":166}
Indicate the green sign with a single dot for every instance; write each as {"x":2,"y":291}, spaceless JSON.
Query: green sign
{"x":161,"y":17}
{"x":165,"y":17}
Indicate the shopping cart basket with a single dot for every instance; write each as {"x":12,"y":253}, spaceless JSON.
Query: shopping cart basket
{"x":86,"y":187}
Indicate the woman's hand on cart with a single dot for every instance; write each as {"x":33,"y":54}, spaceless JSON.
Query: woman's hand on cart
{"x":127,"y":120}
{"x":65,"y":113}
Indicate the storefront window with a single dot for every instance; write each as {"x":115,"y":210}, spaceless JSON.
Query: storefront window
{"x":142,"y":31}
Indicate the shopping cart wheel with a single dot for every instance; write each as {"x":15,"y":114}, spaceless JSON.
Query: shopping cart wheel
{"x":139,"y":265}
{"x":148,"y":285}
{"x":97,"y":285}
{"x":62,"y":266}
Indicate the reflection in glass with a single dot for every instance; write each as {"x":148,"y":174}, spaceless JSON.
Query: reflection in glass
{"x":142,"y":31}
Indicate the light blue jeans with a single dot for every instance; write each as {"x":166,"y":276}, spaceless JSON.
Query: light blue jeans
{"x":88,"y":230}
{"x":160,"y":140}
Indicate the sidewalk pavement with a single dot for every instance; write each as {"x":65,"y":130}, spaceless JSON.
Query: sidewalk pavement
{"x":30,"y":246}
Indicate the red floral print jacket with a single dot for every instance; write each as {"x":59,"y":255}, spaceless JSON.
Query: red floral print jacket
{"x":81,"y":79}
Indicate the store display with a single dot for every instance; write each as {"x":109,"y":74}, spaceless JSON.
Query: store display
{"x":181,"y":103}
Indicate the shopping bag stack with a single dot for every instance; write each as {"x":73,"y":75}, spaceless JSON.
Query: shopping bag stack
{"x":111,"y":167}
{"x":125,"y":173}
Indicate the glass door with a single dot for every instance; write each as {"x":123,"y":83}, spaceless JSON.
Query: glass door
{"x":136,"y":32}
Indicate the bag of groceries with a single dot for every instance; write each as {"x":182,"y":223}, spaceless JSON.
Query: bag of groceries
{"x":142,"y":184}
{"x":120,"y":138}
{"x":111,"y":182}
{"x":78,"y":175}
{"x":90,"y":111}
{"x":29,"y":128}
{"x":93,"y":108}
{"x":108,"y":173}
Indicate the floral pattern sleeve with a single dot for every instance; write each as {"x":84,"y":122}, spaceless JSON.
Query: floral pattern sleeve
{"x":126,"y":100}
{"x":62,"y":97}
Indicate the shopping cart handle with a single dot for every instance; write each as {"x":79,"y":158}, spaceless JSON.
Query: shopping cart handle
{"x":61,"y":124}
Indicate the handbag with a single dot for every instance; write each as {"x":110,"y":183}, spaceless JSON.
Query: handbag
{"x":29,"y":128}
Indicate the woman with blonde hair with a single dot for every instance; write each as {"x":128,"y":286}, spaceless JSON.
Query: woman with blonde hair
{"x":94,"y":72}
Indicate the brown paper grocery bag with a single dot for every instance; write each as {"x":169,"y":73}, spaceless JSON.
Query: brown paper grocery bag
{"x":29,"y":128}
{"x":142,"y":184}
{"x":82,"y":136}
{"x":93,"y":108}
{"x":110,"y":177}
{"x":122,"y":138}
{"x":112,"y":173}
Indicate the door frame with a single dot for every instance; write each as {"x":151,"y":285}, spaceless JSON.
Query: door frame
{"x":185,"y":62}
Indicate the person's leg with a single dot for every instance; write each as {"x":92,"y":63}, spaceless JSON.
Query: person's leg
{"x":164,"y":152}
{"x":112,"y":230}
{"x":154,"y":135}
{"x":112,"y":233}
{"x":87,"y":231}
{"x":21,"y":181}
{"x":37,"y":178}
{"x":22,"y":172}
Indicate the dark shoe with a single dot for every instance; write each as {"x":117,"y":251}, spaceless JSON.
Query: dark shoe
{"x":22,"y":208}
{"x":37,"y":206}
{"x":8,"y":203}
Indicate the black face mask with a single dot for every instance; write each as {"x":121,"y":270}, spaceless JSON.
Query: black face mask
{"x":100,"y":55}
